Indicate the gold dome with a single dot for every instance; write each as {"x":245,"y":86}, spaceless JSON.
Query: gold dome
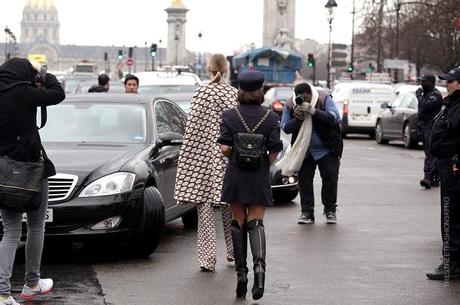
{"x":177,"y":3}
{"x":42,"y":4}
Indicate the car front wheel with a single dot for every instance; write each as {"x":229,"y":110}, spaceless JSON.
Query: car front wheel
{"x":407,"y":138}
{"x":150,"y":225}
{"x":379,"y":134}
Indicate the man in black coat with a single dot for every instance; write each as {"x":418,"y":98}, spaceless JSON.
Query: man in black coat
{"x":20,"y":95}
{"x":103,"y":84}
{"x":429,"y":104}
{"x":445,"y":146}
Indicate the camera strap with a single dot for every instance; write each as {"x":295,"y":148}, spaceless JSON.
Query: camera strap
{"x":43,"y":117}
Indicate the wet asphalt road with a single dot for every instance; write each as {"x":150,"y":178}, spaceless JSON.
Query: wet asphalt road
{"x":386,"y":239}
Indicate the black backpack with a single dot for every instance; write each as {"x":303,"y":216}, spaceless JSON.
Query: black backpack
{"x":249,"y":148}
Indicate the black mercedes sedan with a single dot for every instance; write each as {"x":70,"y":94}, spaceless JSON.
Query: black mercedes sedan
{"x":399,"y":121}
{"x":116,"y":157}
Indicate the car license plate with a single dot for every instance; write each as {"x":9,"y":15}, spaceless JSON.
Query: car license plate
{"x":361,"y":117}
{"x":48,"y":218}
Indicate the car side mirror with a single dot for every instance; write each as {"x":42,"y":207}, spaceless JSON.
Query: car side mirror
{"x":170,"y":139}
{"x":385,"y":105}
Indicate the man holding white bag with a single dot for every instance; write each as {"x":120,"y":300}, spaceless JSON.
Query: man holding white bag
{"x":313,"y":120}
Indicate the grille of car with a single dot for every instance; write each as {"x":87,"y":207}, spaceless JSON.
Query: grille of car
{"x":61,"y":186}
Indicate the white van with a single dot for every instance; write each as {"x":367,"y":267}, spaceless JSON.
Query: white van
{"x":359,"y":105}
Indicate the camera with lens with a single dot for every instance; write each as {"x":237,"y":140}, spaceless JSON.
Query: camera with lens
{"x":300,"y":99}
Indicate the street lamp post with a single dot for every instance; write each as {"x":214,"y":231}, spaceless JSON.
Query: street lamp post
{"x":200,"y":57}
{"x":352,"y":57}
{"x":159,"y":54}
{"x":7,"y":33}
{"x":398,"y":9}
{"x":176,"y":38}
{"x":331,"y":5}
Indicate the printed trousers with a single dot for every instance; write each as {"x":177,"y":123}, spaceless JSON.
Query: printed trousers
{"x":207,"y":234}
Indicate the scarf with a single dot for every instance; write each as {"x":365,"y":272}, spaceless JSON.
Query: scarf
{"x":293,"y":159}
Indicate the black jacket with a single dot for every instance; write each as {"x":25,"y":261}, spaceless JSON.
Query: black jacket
{"x":445,"y":135}
{"x":429,"y":105}
{"x":19,"y":99}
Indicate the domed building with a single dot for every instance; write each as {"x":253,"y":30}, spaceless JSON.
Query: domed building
{"x":40,"y":38}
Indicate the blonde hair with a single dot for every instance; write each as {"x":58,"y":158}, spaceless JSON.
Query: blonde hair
{"x":217,"y":66}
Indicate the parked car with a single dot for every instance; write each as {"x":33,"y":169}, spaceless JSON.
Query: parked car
{"x":276,"y":97}
{"x":161,"y":82}
{"x":359,"y":105}
{"x":399,"y":121}
{"x":402,"y":88}
{"x":116,"y":157}
{"x":284,"y":188}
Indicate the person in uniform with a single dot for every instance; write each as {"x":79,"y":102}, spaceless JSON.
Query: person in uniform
{"x":445,"y":146}
{"x":429,"y":104}
{"x":249,"y":190}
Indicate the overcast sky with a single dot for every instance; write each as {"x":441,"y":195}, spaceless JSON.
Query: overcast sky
{"x":225,"y":24}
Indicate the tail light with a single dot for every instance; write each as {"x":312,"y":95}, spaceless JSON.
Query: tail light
{"x":277,"y":105}
{"x":345,"y":107}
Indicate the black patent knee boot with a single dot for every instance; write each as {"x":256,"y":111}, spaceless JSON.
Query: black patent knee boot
{"x":240,"y":248}
{"x":257,"y":240}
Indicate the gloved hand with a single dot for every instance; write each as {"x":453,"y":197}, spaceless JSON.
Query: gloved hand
{"x":419,"y":92}
{"x":310,"y":109}
{"x":301,"y":111}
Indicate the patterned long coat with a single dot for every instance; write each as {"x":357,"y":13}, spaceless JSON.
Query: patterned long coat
{"x":201,"y":167}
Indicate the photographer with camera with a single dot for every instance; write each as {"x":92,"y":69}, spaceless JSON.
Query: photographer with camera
{"x":316,"y":144}
{"x":24,"y":86}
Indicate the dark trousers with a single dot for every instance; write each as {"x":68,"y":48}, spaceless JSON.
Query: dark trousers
{"x":450,"y":209}
{"x":429,"y":167}
{"x":329,"y":170}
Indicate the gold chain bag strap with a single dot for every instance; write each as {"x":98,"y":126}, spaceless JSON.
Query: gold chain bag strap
{"x":249,"y":148}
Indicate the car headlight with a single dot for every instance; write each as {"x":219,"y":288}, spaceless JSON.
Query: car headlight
{"x":110,"y":185}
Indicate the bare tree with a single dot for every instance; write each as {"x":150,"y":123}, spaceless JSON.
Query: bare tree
{"x":427,"y":32}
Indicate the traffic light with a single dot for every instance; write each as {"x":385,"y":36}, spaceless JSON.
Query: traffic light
{"x":311,"y":60}
{"x":120,"y":54}
{"x":350,"y":68}
{"x":153,"y":50}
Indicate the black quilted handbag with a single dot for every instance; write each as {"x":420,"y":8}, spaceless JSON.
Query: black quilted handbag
{"x":20,"y":185}
{"x":249,"y":147}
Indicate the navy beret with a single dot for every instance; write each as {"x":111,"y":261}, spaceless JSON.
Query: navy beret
{"x":250,"y":80}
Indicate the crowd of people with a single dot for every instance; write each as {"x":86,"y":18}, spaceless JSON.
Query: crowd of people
{"x":229,"y":145}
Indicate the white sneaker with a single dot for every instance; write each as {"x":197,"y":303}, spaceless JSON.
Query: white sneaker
{"x":44,"y":286}
{"x":9,"y":301}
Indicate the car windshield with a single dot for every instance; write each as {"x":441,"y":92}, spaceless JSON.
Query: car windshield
{"x":95,"y":123}
{"x":164,"y":89}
